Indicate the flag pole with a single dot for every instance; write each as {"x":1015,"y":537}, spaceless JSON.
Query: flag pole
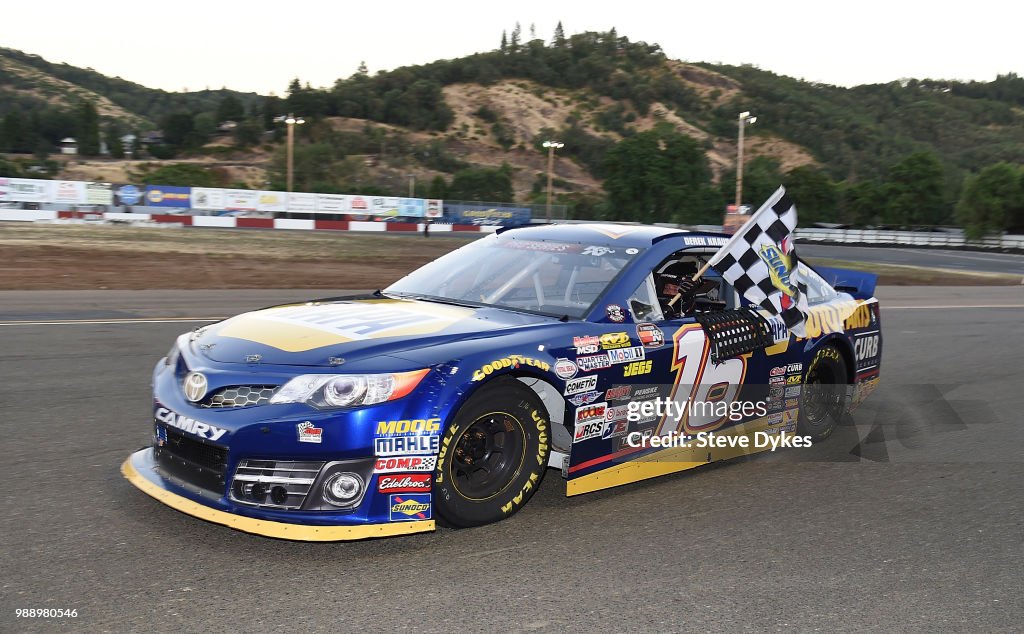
{"x":774,"y":198}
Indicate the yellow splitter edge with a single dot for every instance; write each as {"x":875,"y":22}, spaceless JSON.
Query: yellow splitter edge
{"x":280,"y":530}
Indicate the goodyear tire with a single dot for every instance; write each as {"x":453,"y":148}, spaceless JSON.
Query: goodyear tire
{"x":823,"y":399}
{"x":493,"y":455}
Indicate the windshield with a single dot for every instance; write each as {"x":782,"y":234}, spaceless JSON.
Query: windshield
{"x":556,"y":278}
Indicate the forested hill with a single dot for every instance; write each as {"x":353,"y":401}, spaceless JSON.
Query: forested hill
{"x":646,"y":137}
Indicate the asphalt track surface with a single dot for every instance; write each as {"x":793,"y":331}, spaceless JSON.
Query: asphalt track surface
{"x":983,"y":261}
{"x":922,"y":533}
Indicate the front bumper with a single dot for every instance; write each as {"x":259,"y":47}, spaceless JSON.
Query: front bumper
{"x":140,"y":470}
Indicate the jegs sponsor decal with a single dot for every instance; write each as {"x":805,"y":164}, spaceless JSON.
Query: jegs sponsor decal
{"x":586,"y":345}
{"x":626,"y":355}
{"x":413,"y":506}
{"x":309,"y":433}
{"x":404,"y":463}
{"x":618,"y":393}
{"x":584,"y":399}
{"x":404,"y":483}
{"x":187,"y":424}
{"x":615,"y":313}
{"x":637,"y":368}
{"x":410,"y":427}
{"x":511,"y":361}
{"x":650,"y":335}
{"x":405,"y":445}
{"x":565,"y":369}
{"x":581,"y":384}
{"x":594,"y":362}
{"x":612,"y":340}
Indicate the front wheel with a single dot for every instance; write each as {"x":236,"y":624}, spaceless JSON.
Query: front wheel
{"x":493,"y":456}
{"x":824,"y":394}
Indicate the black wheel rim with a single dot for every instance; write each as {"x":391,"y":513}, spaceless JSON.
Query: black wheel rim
{"x":488,"y":456}
{"x":822,"y":396}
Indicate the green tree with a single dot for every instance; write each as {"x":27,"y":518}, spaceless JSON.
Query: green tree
{"x":992,"y":200}
{"x":112,"y":136}
{"x":815,"y":194}
{"x":178,"y":129}
{"x":179,"y":174}
{"x":559,"y":40}
{"x":660,"y":176}
{"x":762,"y":175}
{"x":916,"y":187}
{"x":482,"y":184}
{"x":230,"y":108}
{"x":87,"y":129}
{"x":438,"y":188}
{"x":862,"y":204}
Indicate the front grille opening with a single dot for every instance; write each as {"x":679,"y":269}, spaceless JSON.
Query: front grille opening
{"x":273,"y":483}
{"x":239,"y":396}
{"x":191,"y":460}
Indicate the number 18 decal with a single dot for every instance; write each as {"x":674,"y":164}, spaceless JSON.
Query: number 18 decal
{"x":701,"y":385}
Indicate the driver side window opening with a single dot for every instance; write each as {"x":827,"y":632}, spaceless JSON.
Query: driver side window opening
{"x":650,"y":300}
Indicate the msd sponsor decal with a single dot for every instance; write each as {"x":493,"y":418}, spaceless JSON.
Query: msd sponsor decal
{"x":404,"y":483}
{"x":190,"y":425}
{"x":586,"y":345}
{"x":410,"y":507}
{"x":581,"y":384}
{"x":404,"y":463}
{"x":405,"y":445}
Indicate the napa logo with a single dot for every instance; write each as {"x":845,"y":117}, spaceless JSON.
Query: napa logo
{"x":780,"y":266}
{"x":410,"y":507}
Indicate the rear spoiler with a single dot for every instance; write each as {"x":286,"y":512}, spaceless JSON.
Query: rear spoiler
{"x":859,"y":284}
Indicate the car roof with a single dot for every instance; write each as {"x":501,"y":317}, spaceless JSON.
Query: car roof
{"x":604,"y":233}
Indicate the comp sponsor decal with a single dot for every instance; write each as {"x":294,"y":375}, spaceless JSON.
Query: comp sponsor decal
{"x":511,"y":361}
{"x":308,"y":432}
{"x":188,"y":424}
{"x":396,"y":464}
{"x":408,"y":427}
{"x":584,"y":399}
{"x":405,"y":445}
{"x":650,"y":335}
{"x":410,"y":507}
{"x":404,"y":483}
{"x":565,"y":369}
{"x":613,"y":340}
{"x":581,"y":384}
{"x":627,"y":355}
{"x":593,"y":362}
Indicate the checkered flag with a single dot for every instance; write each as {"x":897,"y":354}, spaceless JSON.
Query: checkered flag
{"x":760,"y":261}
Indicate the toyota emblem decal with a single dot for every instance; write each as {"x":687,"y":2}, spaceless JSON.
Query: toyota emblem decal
{"x":194,"y":386}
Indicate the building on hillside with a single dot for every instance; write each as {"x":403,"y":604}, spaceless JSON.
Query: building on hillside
{"x":68,"y":145}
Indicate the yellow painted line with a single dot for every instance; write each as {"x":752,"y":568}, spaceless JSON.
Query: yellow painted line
{"x":135,"y":320}
{"x":280,"y":530}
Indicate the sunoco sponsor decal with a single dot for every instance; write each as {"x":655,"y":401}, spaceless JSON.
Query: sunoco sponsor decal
{"x":410,"y":507}
{"x":190,"y":425}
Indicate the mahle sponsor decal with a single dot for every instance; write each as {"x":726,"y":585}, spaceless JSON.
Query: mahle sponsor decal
{"x":406,"y":445}
{"x":187,"y":424}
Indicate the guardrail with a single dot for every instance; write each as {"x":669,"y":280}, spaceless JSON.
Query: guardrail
{"x":886,"y":237}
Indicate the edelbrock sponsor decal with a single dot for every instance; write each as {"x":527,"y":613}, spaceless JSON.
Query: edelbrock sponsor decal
{"x":190,"y":425}
{"x":404,"y":483}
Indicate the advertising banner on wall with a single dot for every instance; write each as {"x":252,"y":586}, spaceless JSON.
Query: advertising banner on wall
{"x":241,"y":199}
{"x":126,"y":194}
{"x":384,"y":206}
{"x":99,"y":194}
{"x":302,"y":203}
{"x":168,"y":196}
{"x":272,"y":201}
{"x":29,"y":190}
{"x":332,"y":204}
{"x":435,"y":208}
{"x":207,"y":198}
{"x":69,"y":192}
{"x":468,"y":214}
{"x":359,"y":204}
{"x":415,"y":207}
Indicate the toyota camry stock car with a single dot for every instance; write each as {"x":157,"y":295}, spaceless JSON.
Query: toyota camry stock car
{"x":448,"y":395}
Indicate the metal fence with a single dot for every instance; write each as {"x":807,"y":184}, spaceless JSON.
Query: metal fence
{"x":886,"y":237}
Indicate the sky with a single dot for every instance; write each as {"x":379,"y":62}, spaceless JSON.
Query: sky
{"x":258,"y":46}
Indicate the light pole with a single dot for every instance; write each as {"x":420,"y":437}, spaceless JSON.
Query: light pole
{"x":291,"y":121}
{"x":744,"y":119}
{"x":551,"y":146}
{"x":412,"y":185}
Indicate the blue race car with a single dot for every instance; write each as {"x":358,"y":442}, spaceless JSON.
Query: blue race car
{"x":448,"y":395}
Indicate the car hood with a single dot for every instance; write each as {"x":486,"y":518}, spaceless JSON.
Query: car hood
{"x":321,"y":333}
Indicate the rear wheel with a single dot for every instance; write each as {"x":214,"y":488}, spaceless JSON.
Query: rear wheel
{"x":493,"y":456}
{"x":824,"y":394}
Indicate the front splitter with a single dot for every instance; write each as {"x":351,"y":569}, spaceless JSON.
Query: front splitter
{"x":139,"y":470}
